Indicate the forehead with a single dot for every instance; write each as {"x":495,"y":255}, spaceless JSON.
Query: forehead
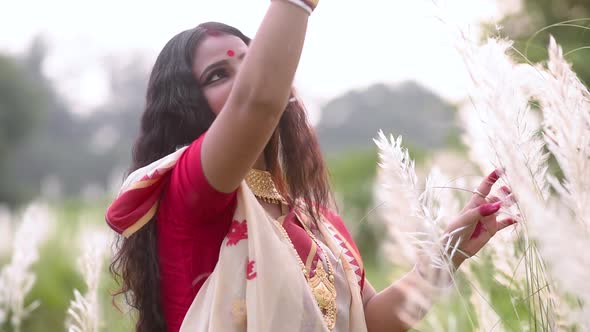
{"x":214,"y":48}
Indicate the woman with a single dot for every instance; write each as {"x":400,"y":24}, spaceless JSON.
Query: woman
{"x":228,"y":220}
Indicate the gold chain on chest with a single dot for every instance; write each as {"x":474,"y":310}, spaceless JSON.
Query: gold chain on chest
{"x":322,"y":284}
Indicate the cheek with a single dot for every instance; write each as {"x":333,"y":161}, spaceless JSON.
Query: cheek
{"x":217,"y":96}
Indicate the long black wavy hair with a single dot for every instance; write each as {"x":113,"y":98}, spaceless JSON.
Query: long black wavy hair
{"x":176,"y":113}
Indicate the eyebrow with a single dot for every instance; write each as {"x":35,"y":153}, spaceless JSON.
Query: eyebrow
{"x":217,"y":64}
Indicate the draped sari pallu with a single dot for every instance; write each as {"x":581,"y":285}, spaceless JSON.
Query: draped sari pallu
{"x":258,"y":283}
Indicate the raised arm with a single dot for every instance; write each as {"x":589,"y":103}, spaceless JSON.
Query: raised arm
{"x":257,"y":99}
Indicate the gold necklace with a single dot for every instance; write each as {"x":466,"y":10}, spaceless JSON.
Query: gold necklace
{"x":322,"y":284}
{"x":263,"y":187}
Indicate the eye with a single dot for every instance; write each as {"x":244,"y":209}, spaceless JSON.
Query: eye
{"x":215,"y":76}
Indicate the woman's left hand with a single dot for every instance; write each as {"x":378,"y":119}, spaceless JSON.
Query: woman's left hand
{"x":474,"y":233}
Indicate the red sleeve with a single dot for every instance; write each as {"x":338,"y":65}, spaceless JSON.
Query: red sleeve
{"x":189,"y":193}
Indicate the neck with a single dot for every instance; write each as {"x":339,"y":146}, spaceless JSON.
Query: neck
{"x":260,"y":163}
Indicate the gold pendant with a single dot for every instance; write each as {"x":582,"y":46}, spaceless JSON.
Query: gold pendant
{"x":324,"y":291}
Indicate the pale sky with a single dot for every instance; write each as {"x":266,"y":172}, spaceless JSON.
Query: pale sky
{"x":349,"y":44}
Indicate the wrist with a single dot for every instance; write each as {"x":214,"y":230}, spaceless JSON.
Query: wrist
{"x":307,"y":5}
{"x":457,"y":261}
{"x":437,"y":276}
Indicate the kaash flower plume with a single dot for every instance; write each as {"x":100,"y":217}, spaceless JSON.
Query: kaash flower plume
{"x":398,"y":192}
{"x":5,"y":231}
{"x":503,"y":93}
{"x":565,"y":104}
{"x":83,"y":315}
{"x":16,"y":278}
{"x":414,"y":219}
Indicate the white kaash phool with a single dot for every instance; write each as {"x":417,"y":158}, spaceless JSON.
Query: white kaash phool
{"x":562,"y":227}
{"x":16,"y":278}
{"x":502,"y":97}
{"x":83,"y":314}
{"x":415,"y":219}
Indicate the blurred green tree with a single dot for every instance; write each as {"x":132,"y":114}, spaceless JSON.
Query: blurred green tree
{"x":22,"y":96}
{"x":567,"y":20}
{"x":69,"y":154}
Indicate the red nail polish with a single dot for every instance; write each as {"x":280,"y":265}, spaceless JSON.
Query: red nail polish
{"x":488,"y":209}
{"x":477,"y":231}
{"x":506,"y":190}
{"x":495,"y":175}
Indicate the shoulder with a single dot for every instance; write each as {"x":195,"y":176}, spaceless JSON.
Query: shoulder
{"x":189,"y":193}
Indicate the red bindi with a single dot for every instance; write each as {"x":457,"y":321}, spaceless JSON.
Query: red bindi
{"x":231,"y":53}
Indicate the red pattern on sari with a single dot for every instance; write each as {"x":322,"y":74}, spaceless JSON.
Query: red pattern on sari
{"x":238,"y":231}
{"x":250,"y":274}
{"x":350,"y":251}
